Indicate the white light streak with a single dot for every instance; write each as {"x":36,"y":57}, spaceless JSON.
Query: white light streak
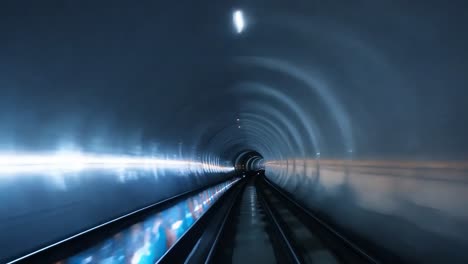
{"x":76,"y":162}
{"x":198,"y":208}
{"x":176,"y":225}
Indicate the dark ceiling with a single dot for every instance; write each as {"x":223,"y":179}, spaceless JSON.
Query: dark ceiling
{"x":375,"y":79}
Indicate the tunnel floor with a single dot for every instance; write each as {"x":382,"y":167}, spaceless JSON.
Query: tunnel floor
{"x":263,"y":228}
{"x":252,"y":239}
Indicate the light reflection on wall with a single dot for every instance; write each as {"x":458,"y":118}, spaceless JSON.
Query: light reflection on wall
{"x":147,"y":241}
{"x":428,"y":196}
{"x":47,"y":196}
{"x":17,"y":164}
{"x":57,"y":166}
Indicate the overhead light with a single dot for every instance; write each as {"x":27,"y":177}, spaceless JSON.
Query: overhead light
{"x":239,"y":22}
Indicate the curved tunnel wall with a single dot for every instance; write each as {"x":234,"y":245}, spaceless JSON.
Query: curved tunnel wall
{"x":110,"y":78}
{"x":360,"y":112}
{"x":358,"y":109}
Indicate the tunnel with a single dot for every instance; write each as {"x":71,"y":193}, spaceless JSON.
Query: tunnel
{"x":353,"y":113}
{"x":248,"y":161}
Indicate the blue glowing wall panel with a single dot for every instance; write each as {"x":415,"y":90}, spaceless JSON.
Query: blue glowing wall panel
{"x":147,"y":241}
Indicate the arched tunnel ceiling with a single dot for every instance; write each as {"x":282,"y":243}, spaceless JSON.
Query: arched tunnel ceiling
{"x":331,"y":78}
{"x":328,"y":92}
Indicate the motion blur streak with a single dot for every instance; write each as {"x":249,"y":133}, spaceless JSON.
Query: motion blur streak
{"x":73,"y":162}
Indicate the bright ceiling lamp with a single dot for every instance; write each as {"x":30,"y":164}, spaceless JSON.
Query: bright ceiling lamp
{"x":238,"y":20}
